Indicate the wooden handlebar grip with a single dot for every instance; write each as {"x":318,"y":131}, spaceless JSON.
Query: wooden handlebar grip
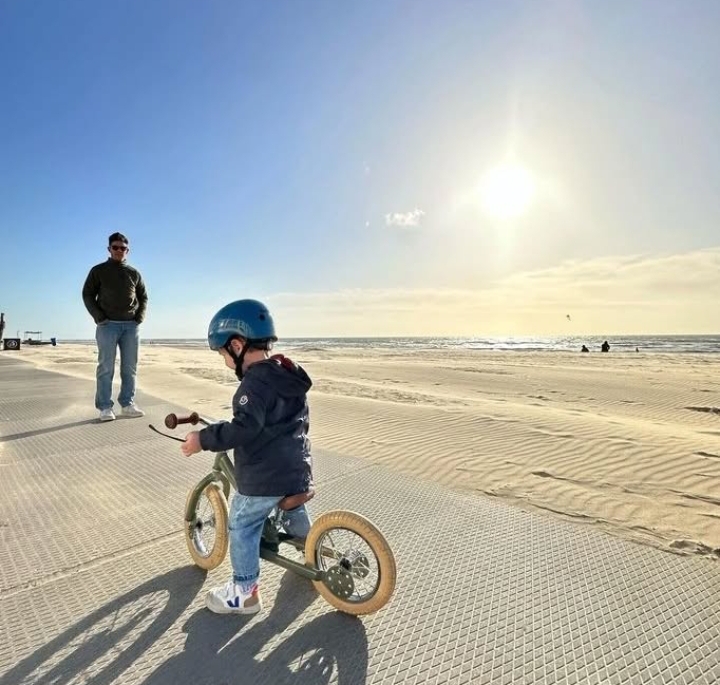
{"x":172,"y":421}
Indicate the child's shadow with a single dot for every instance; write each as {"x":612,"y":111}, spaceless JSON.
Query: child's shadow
{"x":216,"y":653}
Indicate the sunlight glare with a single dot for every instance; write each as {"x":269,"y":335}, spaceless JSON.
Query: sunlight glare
{"x":506,"y":191}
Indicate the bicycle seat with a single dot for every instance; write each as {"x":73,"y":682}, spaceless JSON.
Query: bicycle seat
{"x":294,"y":501}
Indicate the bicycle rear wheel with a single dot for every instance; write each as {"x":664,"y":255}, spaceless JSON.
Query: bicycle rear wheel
{"x":358,"y":564}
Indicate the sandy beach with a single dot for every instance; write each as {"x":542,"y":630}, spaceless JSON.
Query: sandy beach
{"x":629,"y":443}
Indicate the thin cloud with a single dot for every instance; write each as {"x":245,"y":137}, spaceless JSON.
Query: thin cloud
{"x":404,"y":220}
{"x":621,"y":295}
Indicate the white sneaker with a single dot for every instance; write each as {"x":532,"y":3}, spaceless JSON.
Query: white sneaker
{"x":107,"y":415}
{"x":132,"y":411}
{"x":230,"y":599}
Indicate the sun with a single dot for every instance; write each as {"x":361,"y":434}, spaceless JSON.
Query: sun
{"x":506,"y":191}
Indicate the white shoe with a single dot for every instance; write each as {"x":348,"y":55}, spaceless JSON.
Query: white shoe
{"x":132,"y":411}
{"x":230,"y":599}
{"x":107,"y":415}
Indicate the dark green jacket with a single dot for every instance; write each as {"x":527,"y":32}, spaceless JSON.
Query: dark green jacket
{"x":115,"y":291}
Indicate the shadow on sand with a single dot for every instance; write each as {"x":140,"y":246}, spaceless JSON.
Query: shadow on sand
{"x":109,"y":644}
{"x":43,"y":431}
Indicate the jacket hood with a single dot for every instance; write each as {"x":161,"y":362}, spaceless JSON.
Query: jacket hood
{"x":288,"y":378}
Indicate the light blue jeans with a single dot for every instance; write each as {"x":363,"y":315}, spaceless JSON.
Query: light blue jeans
{"x":247,"y":517}
{"x":110,"y":335}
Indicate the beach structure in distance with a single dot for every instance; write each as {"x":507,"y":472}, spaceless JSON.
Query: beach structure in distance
{"x":7,"y":343}
{"x":37,"y":340}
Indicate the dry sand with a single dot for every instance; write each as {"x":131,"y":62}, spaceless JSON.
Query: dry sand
{"x":629,"y":443}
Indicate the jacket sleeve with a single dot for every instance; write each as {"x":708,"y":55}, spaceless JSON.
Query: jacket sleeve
{"x":90,"y":291}
{"x":249,"y":411}
{"x":142,"y":298}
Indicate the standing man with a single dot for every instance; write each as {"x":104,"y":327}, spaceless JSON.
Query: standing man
{"x":115,"y":296}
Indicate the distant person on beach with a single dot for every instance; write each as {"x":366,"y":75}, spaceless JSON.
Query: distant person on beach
{"x":114,"y":294}
{"x":605,"y":347}
{"x":584,"y":348}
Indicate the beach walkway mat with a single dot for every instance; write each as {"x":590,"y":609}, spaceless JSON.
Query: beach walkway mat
{"x":96,"y":585}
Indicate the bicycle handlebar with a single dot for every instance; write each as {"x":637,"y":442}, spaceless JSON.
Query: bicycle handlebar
{"x":172,"y":421}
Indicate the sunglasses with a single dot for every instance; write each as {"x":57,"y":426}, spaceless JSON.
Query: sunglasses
{"x":119,"y":248}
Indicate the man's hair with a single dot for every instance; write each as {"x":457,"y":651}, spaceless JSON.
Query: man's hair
{"x":117,"y":238}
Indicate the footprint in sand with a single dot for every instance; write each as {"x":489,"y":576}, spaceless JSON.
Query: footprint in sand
{"x":547,"y":474}
{"x":705,"y":410}
{"x":694,"y":547}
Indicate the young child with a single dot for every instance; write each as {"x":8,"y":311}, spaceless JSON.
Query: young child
{"x":269,"y":432}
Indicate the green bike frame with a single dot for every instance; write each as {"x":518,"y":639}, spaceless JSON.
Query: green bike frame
{"x":223,"y":472}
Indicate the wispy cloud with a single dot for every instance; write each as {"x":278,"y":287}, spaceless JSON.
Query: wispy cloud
{"x":406,"y":219}
{"x":639,"y":294}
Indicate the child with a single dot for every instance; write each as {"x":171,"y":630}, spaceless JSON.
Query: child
{"x":269,"y":431}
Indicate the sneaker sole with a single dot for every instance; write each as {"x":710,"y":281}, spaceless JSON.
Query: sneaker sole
{"x":105,"y":419}
{"x":222,"y":609}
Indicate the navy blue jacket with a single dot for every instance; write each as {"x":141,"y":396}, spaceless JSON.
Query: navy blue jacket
{"x":269,"y":430}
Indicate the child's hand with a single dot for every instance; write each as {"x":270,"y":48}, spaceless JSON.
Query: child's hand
{"x":191,"y":444}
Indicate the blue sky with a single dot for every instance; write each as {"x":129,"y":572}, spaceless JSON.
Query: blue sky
{"x":327,"y":157}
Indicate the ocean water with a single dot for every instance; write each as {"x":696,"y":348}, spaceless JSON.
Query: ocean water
{"x":644,"y":343}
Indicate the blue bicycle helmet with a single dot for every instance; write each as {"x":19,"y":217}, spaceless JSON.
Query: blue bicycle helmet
{"x":248,"y":319}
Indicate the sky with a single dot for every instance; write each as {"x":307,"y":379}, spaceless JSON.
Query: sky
{"x":375,"y":168}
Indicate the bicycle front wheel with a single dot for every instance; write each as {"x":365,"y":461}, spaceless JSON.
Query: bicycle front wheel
{"x":206,"y":531}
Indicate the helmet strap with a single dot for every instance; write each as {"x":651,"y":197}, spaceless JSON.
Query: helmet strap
{"x":237,"y":358}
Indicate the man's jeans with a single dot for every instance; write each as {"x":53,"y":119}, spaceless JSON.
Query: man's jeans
{"x":110,"y":335}
{"x":247,"y":517}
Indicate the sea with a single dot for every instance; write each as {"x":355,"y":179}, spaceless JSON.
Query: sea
{"x":676,"y":344}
